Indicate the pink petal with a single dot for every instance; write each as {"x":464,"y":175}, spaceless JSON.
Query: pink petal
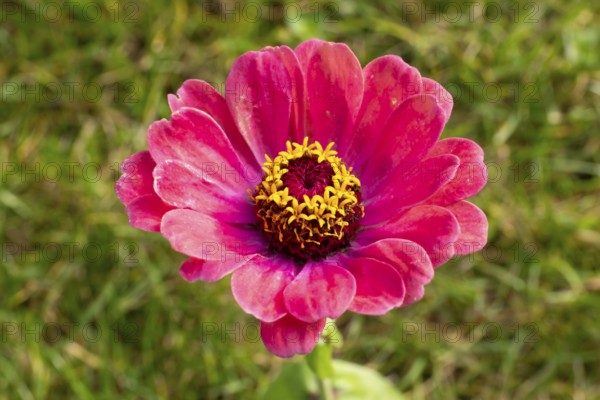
{"x":183,"y":186}
{"x":202,"y":96}
{"x":258,"y":286}
{"x":413,"y":185}
{"x":432,"y":227}
{"x":194,"y":269}
{"x":288,"y":59}
{"x":410,"y":132}
{"x":258,"y":93}
{"x":379,"y":287}
{"x":334,"y":88}
{"x":442,"y":96}
{"x":320,"y":290}
{"x":388,"y":81}
{"x":201,"y":236}
{"x":288,"y":336}
{"x":471,"y":176}
{"x":193,"y":137}
{"x":473,"y":227}
{"x":408,"y":258}
{"x":146,"y":212}
{"x":137,"y":179}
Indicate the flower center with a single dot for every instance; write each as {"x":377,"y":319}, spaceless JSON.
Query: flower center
{"x":309,"y":203}
{"x":307,"y":176}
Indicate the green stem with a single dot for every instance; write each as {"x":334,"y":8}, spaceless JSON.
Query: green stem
{"x":319,"y":360}
{"x":325,"y":389}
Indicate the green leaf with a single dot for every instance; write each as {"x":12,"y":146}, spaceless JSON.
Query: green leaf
{"x":294,"y":382}
{"x":319,"y":360}
{"x":355,"y":382}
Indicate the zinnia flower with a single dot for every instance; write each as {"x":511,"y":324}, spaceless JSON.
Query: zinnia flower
{"x":321,"y":186}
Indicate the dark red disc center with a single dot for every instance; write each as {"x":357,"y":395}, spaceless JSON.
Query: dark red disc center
{"x":307,"y":176}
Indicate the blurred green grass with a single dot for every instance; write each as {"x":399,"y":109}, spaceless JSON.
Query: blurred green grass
{"x":130,"y":327}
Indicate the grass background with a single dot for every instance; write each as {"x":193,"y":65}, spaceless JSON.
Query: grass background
{"x":95,"y":309}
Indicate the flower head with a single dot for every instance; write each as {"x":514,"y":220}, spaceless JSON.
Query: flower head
{"x":320,"y":185}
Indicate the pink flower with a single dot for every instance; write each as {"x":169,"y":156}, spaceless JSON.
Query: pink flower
{"x":320,"y":185}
